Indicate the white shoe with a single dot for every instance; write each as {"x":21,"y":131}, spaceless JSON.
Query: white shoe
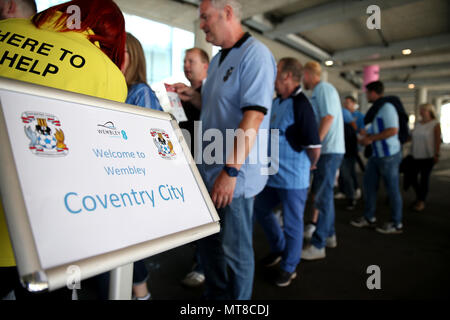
{"x":193,"y":279}
{"x":331,"y":242}
{"x":147,"y":297}
{"x":339,"y":196}
{"x":309,"y":231}
{"x":313,"y":253}
{"x":358,"y":194}
{"x":390,"y":228}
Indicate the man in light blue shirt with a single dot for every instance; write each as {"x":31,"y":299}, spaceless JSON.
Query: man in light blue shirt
{"x":351,"y":105}
{"x":328,"y":110}
{"x":382,"y":134}
{"x":347,"y":116}
{"x":237,"y":94}
{"x":299,"y":149}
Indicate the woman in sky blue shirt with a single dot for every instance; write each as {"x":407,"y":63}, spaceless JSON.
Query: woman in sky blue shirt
{"x":139,"y":94}
{"x":135,"y":71}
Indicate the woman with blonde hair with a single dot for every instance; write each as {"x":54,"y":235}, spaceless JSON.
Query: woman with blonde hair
{"x":426,"y":142}
{"x":135,"y":71}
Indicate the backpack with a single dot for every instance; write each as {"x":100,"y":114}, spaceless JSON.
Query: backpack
{"x":403,"y":119}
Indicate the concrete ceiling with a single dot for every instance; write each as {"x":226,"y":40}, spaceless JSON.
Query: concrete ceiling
{"x":336,"y":30}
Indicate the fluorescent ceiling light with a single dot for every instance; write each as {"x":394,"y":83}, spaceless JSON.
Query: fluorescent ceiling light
{"x":406,"y":52}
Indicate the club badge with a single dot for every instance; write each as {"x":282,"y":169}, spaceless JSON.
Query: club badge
{"x":45,"y":134}
{"x":163,"y":144}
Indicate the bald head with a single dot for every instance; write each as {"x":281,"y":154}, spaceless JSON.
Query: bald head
{"x":312,"y":73}
{"x":17,"y":9}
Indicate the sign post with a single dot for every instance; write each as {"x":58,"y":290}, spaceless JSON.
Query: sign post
{"x":120,"y":283}
{"x":95,"y":184}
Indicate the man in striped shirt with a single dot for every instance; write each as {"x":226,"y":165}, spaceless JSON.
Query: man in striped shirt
{"x":382,"y":135}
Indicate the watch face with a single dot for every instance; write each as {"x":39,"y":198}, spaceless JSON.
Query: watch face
{"x":232,"y":172}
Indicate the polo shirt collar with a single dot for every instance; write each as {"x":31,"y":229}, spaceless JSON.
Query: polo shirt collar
{"x":242,"y":40}
{"x":297,"y":91}
{"x":294,"y":93}
{"x":224,"y":52}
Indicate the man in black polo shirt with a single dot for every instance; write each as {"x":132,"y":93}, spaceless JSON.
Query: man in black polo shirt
{"x":196,"y":63}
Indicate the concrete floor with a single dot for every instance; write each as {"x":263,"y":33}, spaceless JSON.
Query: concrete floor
{"x":414,"y":265}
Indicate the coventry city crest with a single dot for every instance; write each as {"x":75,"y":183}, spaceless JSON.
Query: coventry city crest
{"x":163,"y":143}
{"x":45,"y":134}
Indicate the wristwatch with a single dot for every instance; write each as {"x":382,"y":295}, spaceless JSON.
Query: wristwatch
{"x":231,"y":171}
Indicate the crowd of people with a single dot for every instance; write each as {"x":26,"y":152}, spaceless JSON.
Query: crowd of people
{"x":317,"y":138}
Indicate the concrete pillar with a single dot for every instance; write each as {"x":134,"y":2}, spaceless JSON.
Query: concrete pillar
{"x":421,"y":97}
{"x":324,"y":76}
{"x":438,"y":104}
{"x":362,"y":102}
{"x":371,"y":73}
{"x":200,"y":39}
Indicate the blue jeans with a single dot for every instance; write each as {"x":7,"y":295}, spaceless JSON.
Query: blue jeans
{"x":140,"y":272}
{"x":198,"y":262}
{"x":388,"y":169}
{"x":227,"y":257}
{"x":324,"y":178}
{"x":289,"y":241}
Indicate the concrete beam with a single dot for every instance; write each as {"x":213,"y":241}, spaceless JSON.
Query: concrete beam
{"x":405,"y":71}
{"x":398,"y":62}
{"x":424,"y":82}
{"x":259,"y":22}
{"x":418,"y":45}
{"x":173,"y":13}
{"x":305,"y":46}
{"x":411,"y":94}
{"x":255,"y":7}
{"x":329,"y":13}
{"x":252,"y":7}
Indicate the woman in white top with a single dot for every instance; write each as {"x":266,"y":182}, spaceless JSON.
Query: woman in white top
{"x":426,"y":142}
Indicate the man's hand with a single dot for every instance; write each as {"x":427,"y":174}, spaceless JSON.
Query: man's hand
{"x":385,"y":134}
{"x":188,"y":94}
{"x":223,"y":190}
{"x":313,"y":155}
{"x":365,"y":141}
{"x":436,"y":159}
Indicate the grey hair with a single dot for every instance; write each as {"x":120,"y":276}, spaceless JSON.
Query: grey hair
{"x":234,"y":4}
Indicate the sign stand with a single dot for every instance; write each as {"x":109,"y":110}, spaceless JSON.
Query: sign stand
{"x":121,"y":282}
{"x":68,"y":142}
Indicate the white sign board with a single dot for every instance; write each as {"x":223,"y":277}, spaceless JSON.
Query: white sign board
{"x":96,"y":180}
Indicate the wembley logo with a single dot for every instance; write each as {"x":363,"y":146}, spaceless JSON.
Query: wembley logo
{"x":109,"y":129}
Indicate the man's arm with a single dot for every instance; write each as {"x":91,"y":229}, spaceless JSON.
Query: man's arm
{"x":325,"y":125}
{"x":368,"y":139}
{"x":223,"y":189}
{"x":437,"y":142}
{"x":313,"y":155}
